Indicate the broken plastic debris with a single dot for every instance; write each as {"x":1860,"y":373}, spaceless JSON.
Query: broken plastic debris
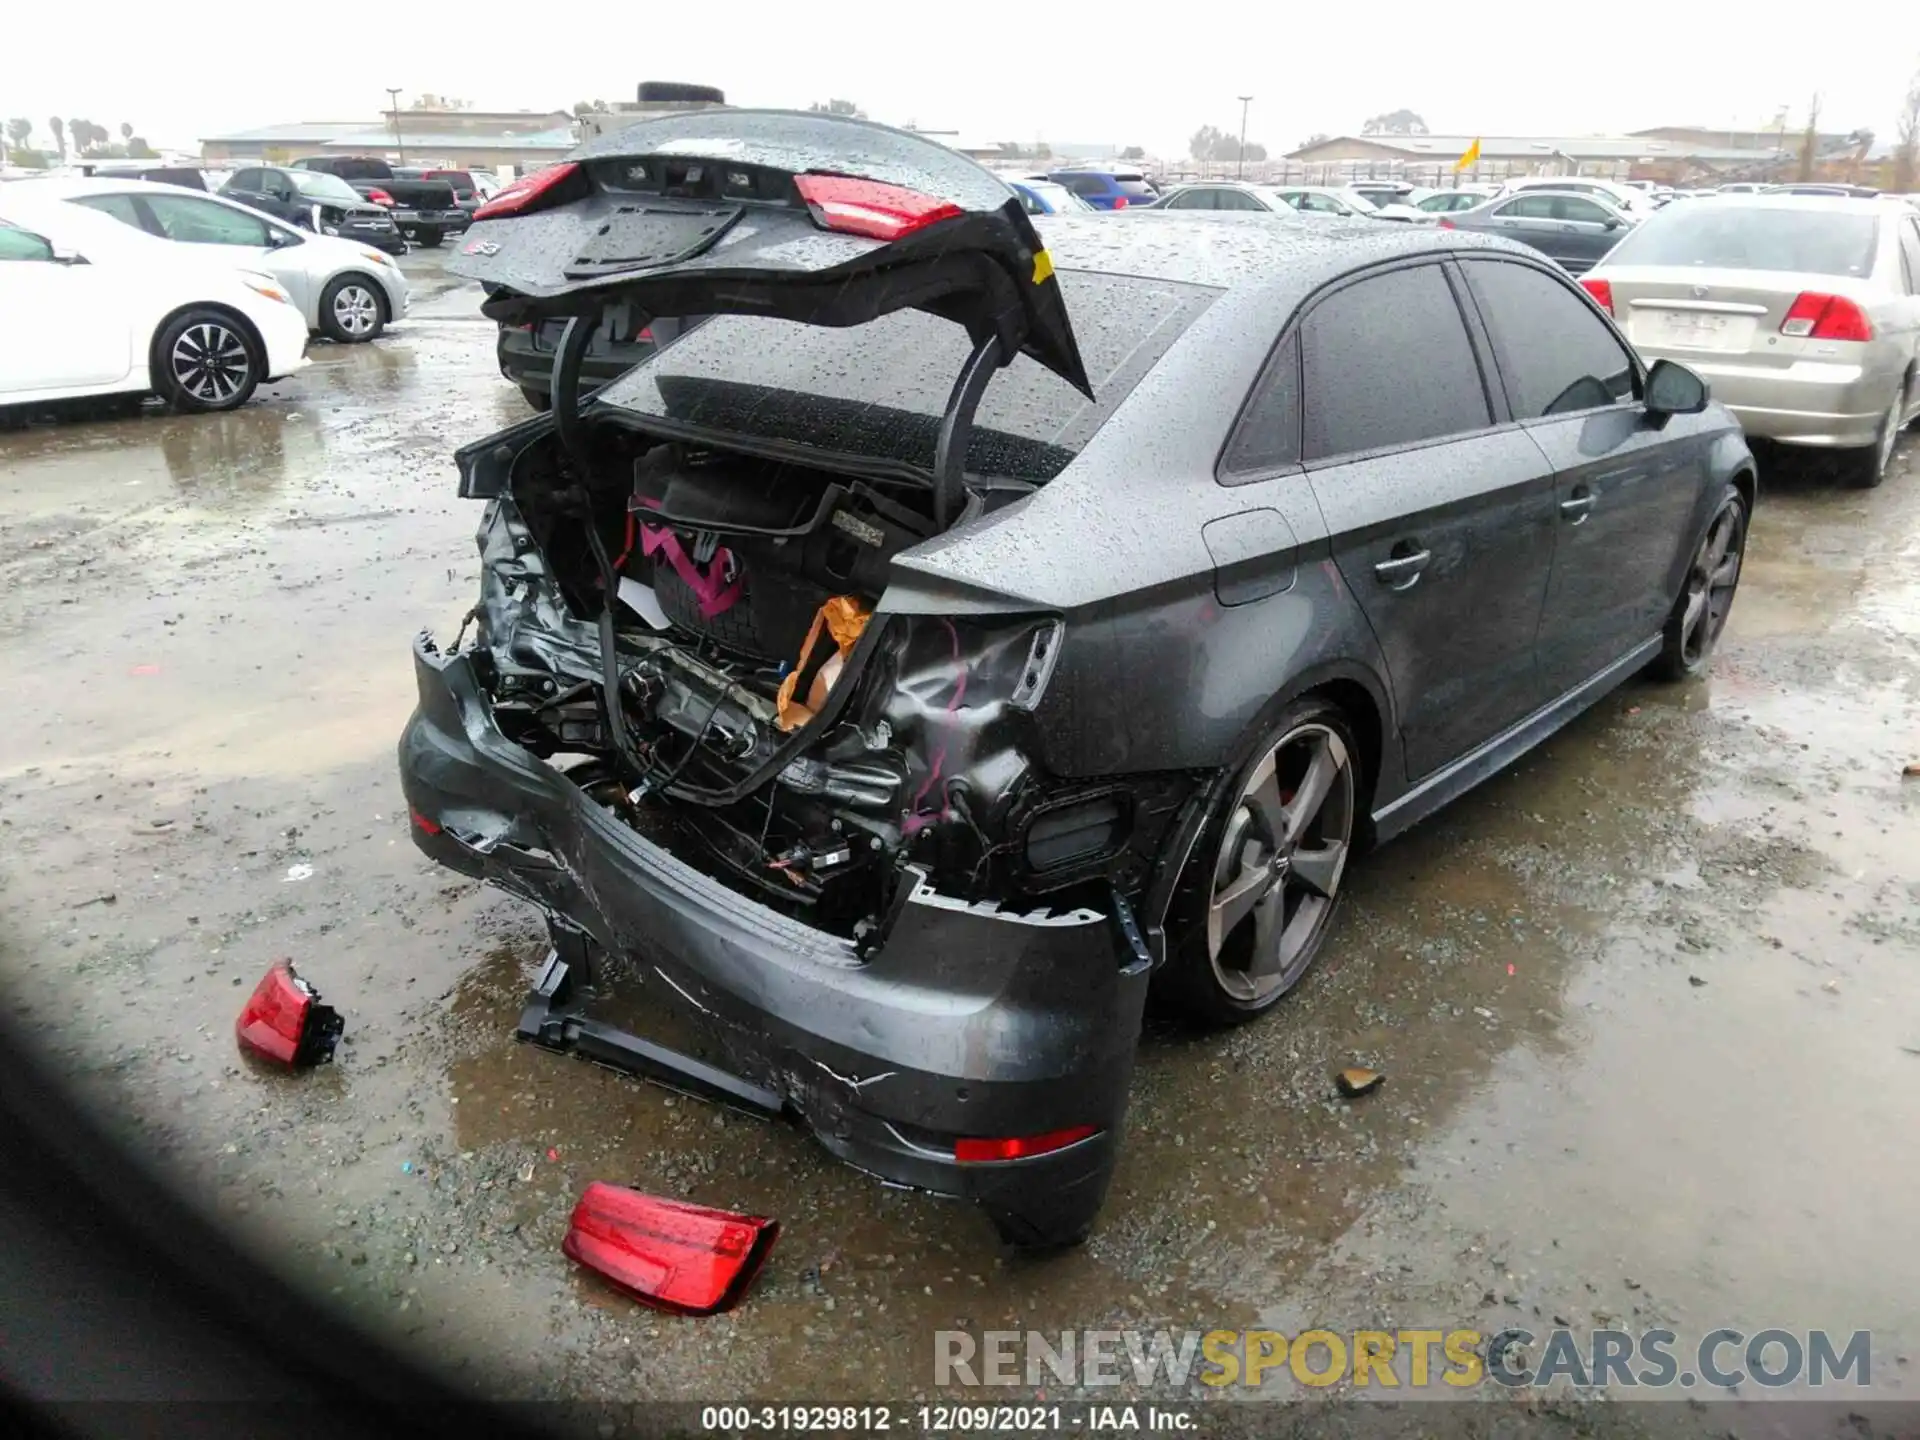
{"x":553,"y":1154}
{"x":1912,"y":770}
{"x":642,"y":600}
{"x":845,"y":619}
{"x":1695,"y":980}
{"x":297,"y":872}
{"x":406,"y":1167}
{"x":144,"y":670}
{"x":1509,"y":969}
{"x":284,"y":1021}
{"x":1357,"y":1081}
{"x":526,"y":1173}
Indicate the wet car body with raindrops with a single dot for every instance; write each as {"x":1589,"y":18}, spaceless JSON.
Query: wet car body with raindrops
{"x":972,"y":627}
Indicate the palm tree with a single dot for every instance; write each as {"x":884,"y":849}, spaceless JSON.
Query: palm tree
{"x":59,"y":129}
{"x":126,"y":130}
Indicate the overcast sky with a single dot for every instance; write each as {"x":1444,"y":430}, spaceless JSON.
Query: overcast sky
{"x":986,"y":67}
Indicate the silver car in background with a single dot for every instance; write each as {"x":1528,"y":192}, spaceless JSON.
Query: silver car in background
{"x":1802,"y":313}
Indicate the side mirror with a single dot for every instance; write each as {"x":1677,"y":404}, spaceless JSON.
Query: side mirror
{"x":1612,"y":222}
{"x":1673,"y":389}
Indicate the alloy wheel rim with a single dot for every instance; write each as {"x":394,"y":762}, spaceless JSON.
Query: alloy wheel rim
{"x":356,"y":310}
{"x":210,"y":362}
{"x":1282,"y":854}
{"x":1710,"y":585}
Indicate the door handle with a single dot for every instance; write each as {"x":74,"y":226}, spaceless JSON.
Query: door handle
{"x":1401,"y":571}
{"x":1576,"y":505}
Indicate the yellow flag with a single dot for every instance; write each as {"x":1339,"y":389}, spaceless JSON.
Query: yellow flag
{"x":1472,"y":157}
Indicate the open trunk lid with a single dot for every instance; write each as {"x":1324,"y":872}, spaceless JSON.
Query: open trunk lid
{"x":819,"y":219}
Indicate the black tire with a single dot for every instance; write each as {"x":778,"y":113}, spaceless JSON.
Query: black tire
{"x":1218,"y":969}
{"x":669,"y":92}
{"x":428,"y":239}
{"x":541,"y":400}
{"x":206,"y":360}
{"x":1867,"y":467}
{"x":1687,"y":645}
{"x":353,"y":309}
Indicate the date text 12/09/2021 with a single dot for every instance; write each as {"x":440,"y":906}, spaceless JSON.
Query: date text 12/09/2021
{"x":940,"y":1419}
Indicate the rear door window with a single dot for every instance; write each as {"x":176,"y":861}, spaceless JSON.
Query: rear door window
{"x":1554,"y":353}
{"x":1386,"y":362}
{"x":1085,"y":184}
{"x":1235,"y":200}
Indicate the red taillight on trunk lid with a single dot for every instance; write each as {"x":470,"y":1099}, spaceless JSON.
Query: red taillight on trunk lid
{"x":284,"y":1021}
{"x":380,"y":197}
{"x":553,"y":186}
{"x":976,"y":1152}
{"x":868,"y":207}
{"x":1119,"y":202}
{"x":1444,"y":224}
{"x":1814,"y":316}
{"x":675,"y":1256}
{"x":1601,"y":291}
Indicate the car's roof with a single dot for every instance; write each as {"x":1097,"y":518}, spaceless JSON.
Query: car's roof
{"x":63,"y":187}
{"x":1818,"y":204}
{"x":1239,"y":252}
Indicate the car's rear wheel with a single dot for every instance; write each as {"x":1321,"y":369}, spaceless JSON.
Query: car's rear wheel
{"x":427,"y":239}
{"x":351,"y":310}
{"x":1868,"y":467}
{"x":538,"y":399}
{"x":1700,"y":614}
{"x":1263,"y":887}
{"x":205,"y":361}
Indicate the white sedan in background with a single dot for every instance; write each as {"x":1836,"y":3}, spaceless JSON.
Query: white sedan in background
{"x":349,"y":292}
{"x":90,"y":309}
{"x":1342,"y":201}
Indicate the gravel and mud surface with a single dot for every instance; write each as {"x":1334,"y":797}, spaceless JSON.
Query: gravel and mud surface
{"x":1648,"y":1004}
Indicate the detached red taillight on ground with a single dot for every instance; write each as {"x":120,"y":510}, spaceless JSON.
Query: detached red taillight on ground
{"x":979,"y":1152}
{"x":284,"y":1021}
{"x":666,"y":1253}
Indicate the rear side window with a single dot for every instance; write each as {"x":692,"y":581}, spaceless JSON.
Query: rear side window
{"x":1135,"y":187}
{"x":123,"y":208}
{"x":1387,"y":362}
{"x":1754,"y":237}
{"x":1269,"y":433}
{"x":1554,"y":353}
{"x":1529,"y":207}
{"x":254,"y":180}
{"x":1085,"y":184}
{"x":878,"y":390}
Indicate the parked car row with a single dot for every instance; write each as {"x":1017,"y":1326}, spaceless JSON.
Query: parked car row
{"x":126,"y":286}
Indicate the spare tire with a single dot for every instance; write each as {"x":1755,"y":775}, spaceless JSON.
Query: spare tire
{"x":669,"y":92}
{"x":768,"y":622}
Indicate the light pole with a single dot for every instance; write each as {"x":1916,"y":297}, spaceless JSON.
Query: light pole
{"x":1240,"y":161}
{"x":393,"y":94}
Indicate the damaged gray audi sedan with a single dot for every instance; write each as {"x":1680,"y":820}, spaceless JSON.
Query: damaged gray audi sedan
{"x":967,"y":626}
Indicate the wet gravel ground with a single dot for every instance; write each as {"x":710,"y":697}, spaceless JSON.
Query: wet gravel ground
{"x":1647,"y":1004}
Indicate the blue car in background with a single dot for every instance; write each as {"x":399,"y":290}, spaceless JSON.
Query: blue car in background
{"x":1042,"y":196}
{"x":1107,"y":189}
